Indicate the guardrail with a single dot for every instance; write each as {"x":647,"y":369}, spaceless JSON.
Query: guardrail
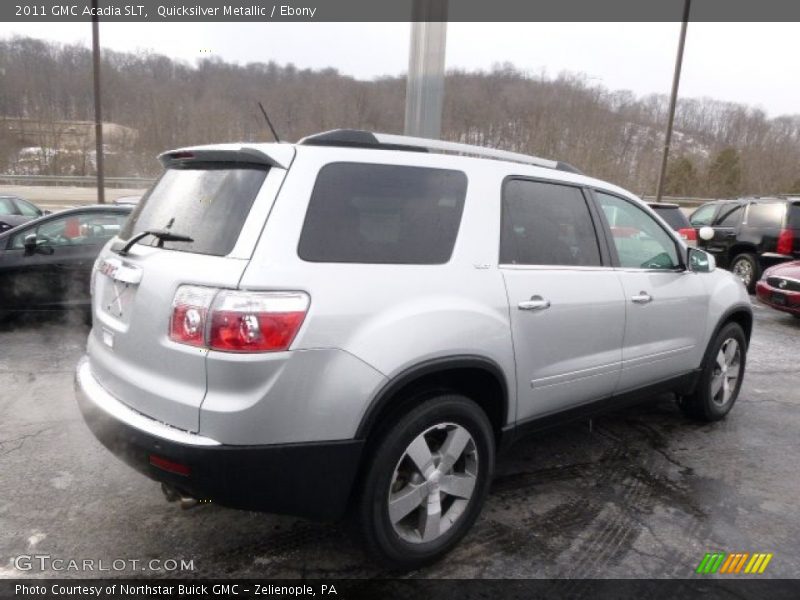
{"x":75,"y":181}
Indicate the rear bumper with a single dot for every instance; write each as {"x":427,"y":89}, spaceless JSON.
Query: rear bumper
{"x":310,"y":479}
{"x":778,"y":299}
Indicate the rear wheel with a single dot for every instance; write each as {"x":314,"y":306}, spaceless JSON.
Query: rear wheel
{"x":721,"y":378}
{"x":427,"y":481}
{"x":746,"y":268}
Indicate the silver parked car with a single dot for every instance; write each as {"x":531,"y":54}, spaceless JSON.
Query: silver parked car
{"x":362,"y":320}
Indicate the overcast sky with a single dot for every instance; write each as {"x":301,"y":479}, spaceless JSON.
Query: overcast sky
{"x":752,"y":63}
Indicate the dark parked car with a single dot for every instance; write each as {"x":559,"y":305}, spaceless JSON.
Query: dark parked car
{"x":751,"y":234}
{"x":47,"y":263}
{"x":676,"y":219}
{"x":15,"y":211}
{"x":780,"y":288}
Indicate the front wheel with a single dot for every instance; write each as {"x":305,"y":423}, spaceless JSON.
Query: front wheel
{"x":426,"y":484}
{"x":721,"y":377}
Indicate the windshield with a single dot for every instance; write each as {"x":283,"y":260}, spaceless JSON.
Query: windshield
{"x":206,"y":202}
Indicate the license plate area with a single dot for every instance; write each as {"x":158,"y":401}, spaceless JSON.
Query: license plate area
{"x":117,"y":287}
{"x":779,"y":299}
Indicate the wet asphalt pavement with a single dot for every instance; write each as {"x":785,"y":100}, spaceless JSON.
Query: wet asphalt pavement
{"x":644,"y":493}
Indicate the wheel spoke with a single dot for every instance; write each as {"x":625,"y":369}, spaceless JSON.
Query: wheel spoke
{"x":430,"y":519}
{"x":460,"y":486}
{"x":421,"y":456}
{"x":452,"y":448}
{"x":721,"y":359}
{"x":730,"y":351}
{"x":716,"y":384}
{"x":726,"y":390}
{"x":405,"y":501}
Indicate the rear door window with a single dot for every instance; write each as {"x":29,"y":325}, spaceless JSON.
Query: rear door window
{"x":370,"y":213}
{"x":730,"y":216}
{"x":206,"y":202}
{"x":546,"y":224}
{"x":766,"y":214}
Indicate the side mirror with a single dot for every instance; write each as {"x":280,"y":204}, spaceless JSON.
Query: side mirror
{"x":30,"y":244}
{"x":706,"y":233}
{"x":701,"y":261}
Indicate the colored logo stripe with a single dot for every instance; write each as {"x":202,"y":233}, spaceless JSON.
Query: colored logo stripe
{"x":723,"y":562}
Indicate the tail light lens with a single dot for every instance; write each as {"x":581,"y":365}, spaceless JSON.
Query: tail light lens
{"x":234,"y":321}
{"x":189,"y":313}
{"x":785,"y":241}
{"x":688,"y":233}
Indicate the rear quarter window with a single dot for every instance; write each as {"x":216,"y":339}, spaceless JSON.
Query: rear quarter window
{"x":794,"y":215}
{"x":371,"y":213}
{"x":767,"y":214}
{"x":207,"y":202}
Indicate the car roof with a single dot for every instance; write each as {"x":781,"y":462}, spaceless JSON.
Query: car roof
{"x":110,"y":208}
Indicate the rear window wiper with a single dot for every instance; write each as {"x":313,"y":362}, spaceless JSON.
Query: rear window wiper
{"x":162,"y":234}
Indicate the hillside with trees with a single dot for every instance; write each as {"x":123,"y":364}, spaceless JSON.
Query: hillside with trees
{"x":719,"y":149}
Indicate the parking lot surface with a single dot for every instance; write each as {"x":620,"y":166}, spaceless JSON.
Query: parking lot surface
{"x":641,"y":493}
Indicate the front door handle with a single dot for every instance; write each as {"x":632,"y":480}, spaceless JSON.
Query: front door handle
{"x":535,"y":303}
{"x":642,"y":298}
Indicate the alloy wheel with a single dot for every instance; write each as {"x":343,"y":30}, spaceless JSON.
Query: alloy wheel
{"x":727,"y":369}
{"x":432,"y":483}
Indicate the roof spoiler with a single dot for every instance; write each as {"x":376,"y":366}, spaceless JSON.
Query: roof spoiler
{"x":272,"y":155}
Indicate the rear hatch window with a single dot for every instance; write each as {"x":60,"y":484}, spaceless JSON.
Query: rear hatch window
{"x":674,"y":217}
{"x":207,"y":202}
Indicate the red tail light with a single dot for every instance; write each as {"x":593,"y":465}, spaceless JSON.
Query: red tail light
{"x":688,"y":233}
{"x":189,"y":313}
{"x":237,"y":321}
{"x":785,"y":241}
{"x":170,"y":466}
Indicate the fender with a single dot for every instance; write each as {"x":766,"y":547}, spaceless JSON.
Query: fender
{"x":447,"y":363}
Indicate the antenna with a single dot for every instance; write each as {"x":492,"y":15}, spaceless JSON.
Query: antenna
{"x":271,"y":128}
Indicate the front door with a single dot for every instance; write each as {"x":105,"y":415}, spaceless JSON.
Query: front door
{"x":666,"y":305}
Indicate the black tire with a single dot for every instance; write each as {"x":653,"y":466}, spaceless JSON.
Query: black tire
{"x":388,"y":459}
{"x":745,"y":266}
{"x":707,"y":402}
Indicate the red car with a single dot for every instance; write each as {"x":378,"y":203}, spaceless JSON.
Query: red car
{"x":780,"y":287}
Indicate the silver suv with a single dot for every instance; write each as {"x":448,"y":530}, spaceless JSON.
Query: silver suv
{"x":361,"y":321}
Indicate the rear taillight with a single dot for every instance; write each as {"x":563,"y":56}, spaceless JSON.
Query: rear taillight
{"x":785,"y":241}
{"x":189,"y":314}
{"x":234,"y":321}
{"x":688,"y":233}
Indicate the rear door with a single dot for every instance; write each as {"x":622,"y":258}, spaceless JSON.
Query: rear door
{"x":665,"y":305}
{"x":566,"y":302}
{"x":726,"y":225}
{"x":221,"y":204}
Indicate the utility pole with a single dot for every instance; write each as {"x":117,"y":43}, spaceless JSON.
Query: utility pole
{"x":98,"y":113}
{"x":425,"y":84}
{"x":676,"y":79}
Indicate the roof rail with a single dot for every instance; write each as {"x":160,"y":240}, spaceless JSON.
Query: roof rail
{"x":356,"y":138}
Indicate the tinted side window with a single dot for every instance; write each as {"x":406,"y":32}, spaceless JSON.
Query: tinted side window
{"x":769,"y":214}
{"x":794,"y":216}
{"x":640,"y":241}
{"x":703,"y":215}
{"x":370,"y":213}
{"x":674,"y":217}
{"x":546,"y":224}
{"x":730,"y":216}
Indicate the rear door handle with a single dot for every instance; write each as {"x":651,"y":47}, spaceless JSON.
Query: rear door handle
{"x":642,"y":298}
{"x":535,"y":303}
